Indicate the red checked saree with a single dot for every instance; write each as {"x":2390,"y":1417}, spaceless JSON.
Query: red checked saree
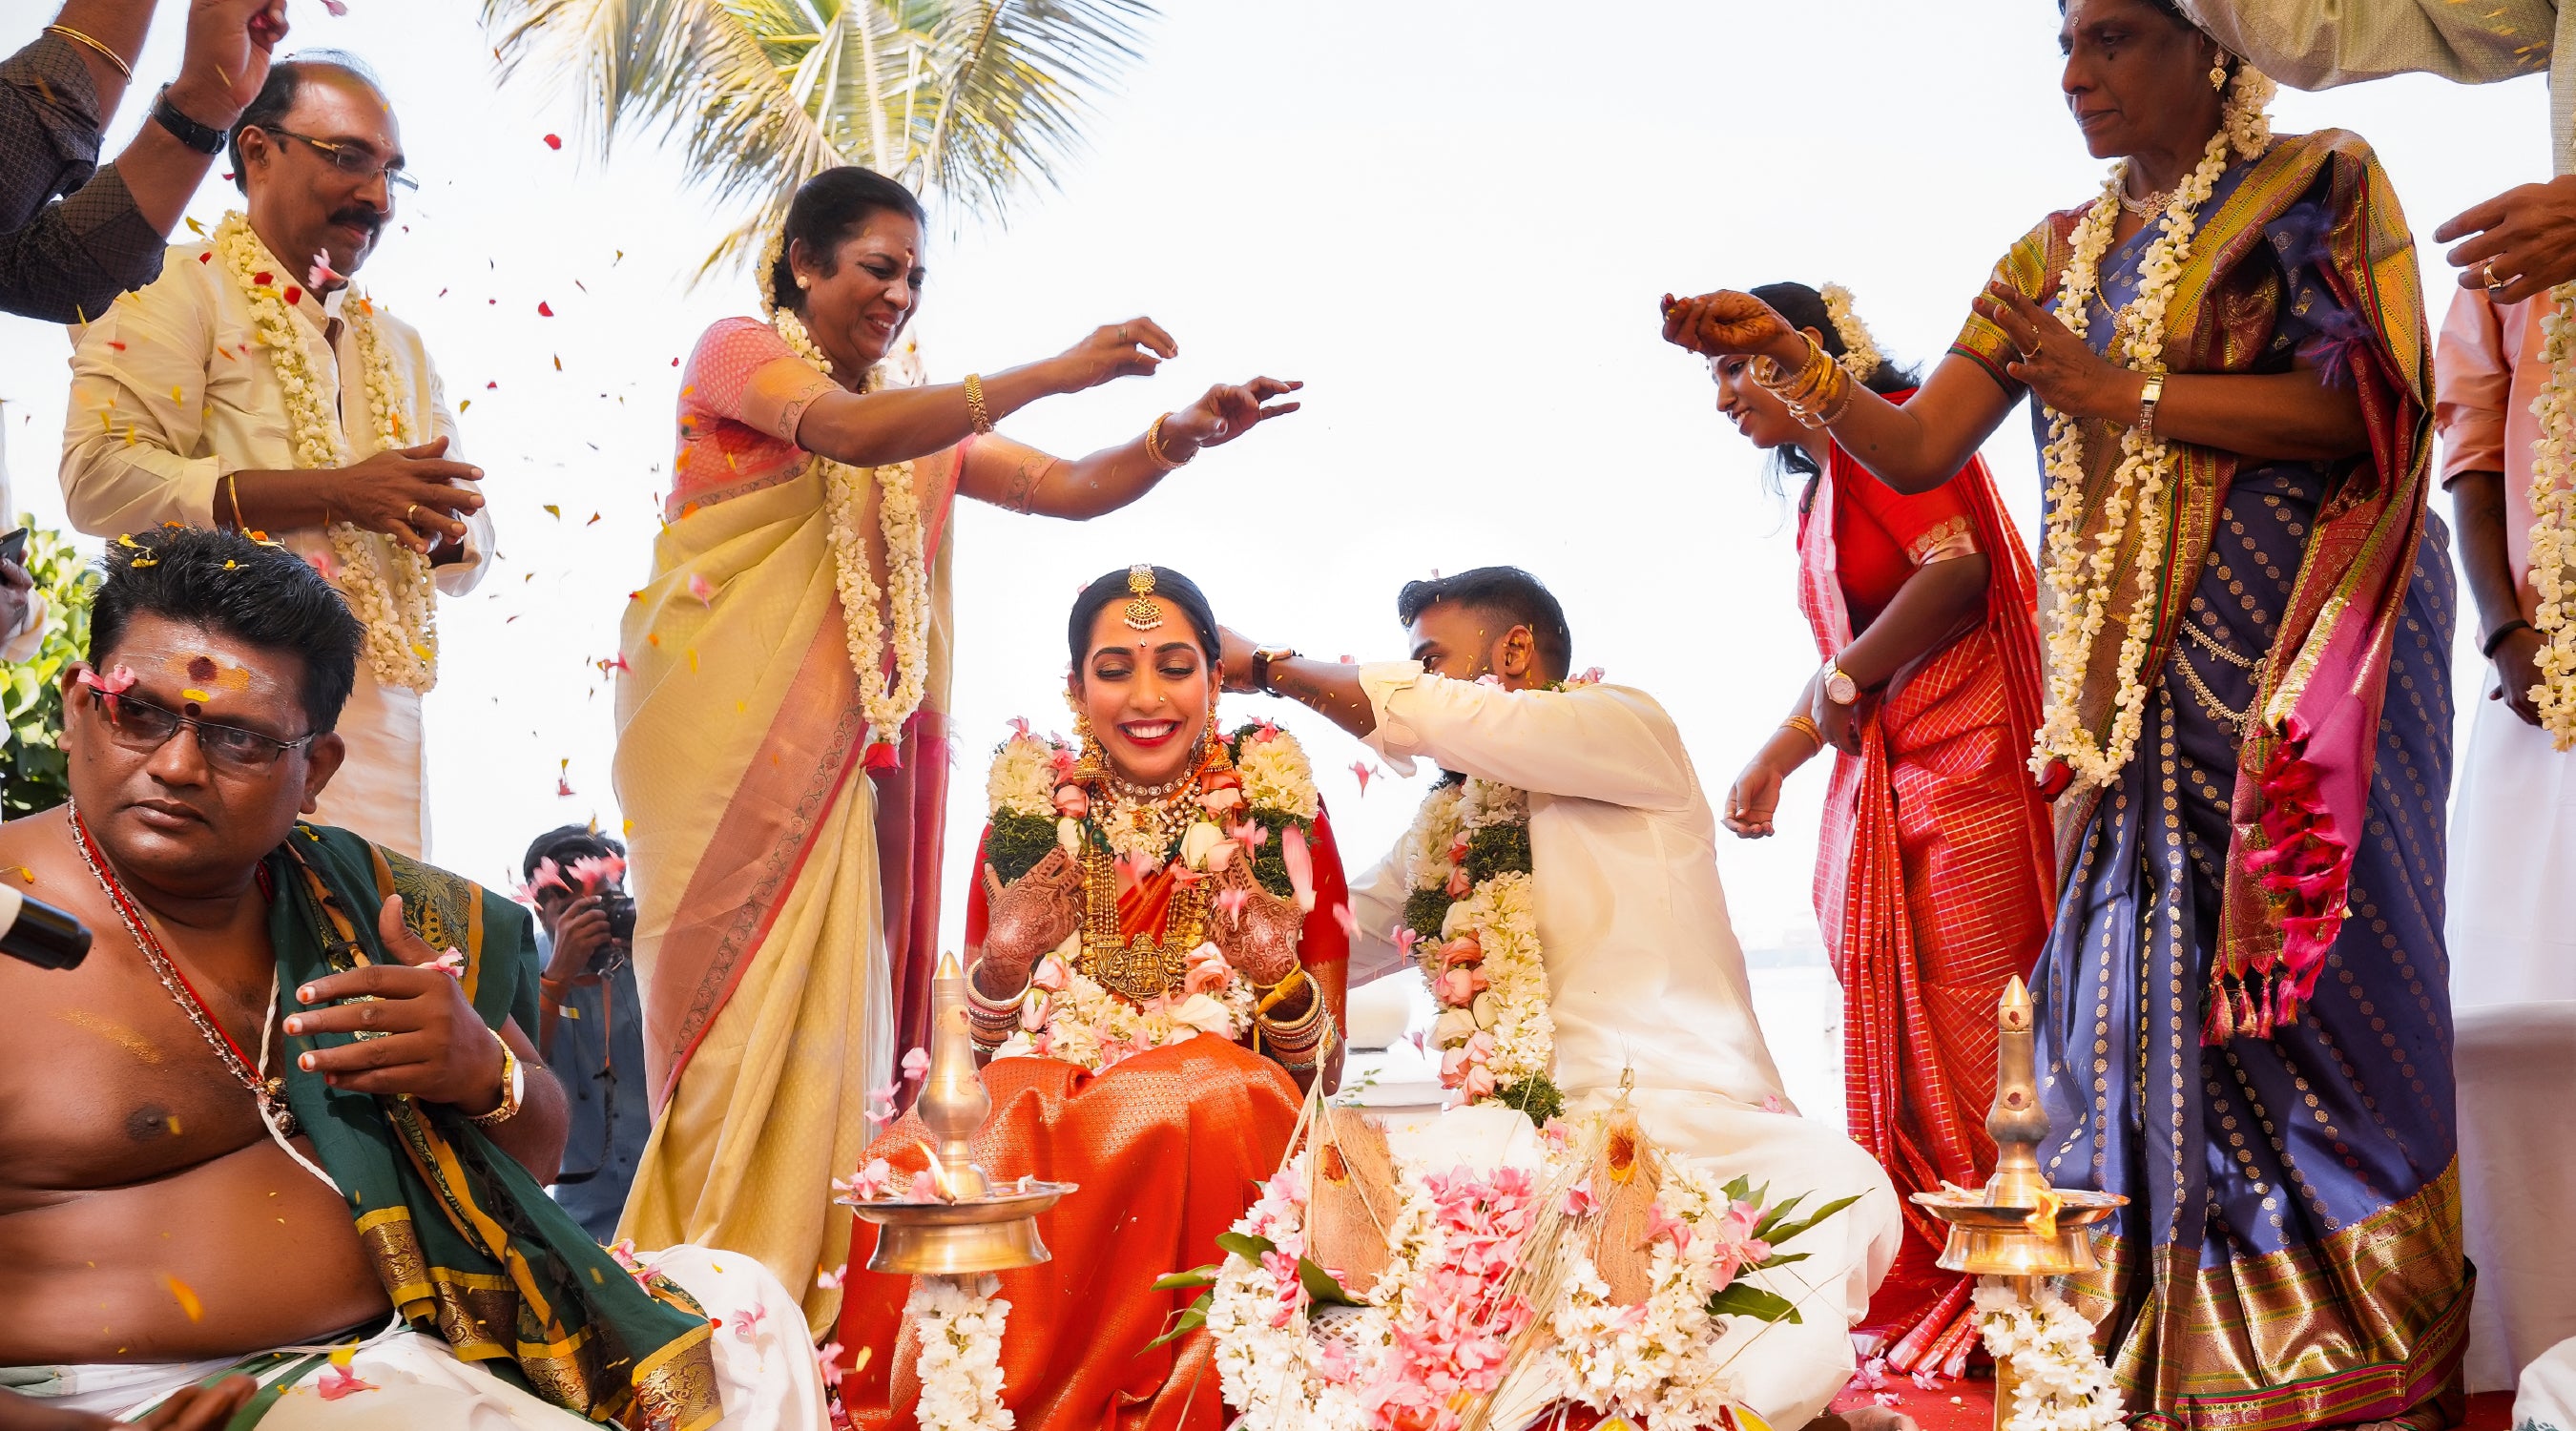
{"x":1934,"y":878}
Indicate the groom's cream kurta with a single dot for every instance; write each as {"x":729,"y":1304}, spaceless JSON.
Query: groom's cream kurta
{"x":1645,"y":977}
{"x":171,"y":391}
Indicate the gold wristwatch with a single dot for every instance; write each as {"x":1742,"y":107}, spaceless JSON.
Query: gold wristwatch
{"x":514,"y":1085}
{"x":1842,"y":690}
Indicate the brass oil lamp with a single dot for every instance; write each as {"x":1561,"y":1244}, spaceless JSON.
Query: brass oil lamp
{"x":2018,"y":1227}
{"x":973,"y":1226}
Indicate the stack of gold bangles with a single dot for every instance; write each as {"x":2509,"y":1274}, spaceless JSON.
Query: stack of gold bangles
{"x":1156,"y":452}
{"x":1817,"y":394}
{"x":1300,"y":1043}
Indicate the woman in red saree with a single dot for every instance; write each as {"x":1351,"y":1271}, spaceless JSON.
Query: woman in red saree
{"x":785,"y":857}
{"x":1934,"y":876}
{"x":1156,"y":964}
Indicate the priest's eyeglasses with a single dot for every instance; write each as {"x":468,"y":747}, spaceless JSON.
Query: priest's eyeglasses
{"x":354,"y":160}
{"x":143,"y":728}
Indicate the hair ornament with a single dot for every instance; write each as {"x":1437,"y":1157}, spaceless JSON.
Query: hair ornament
{"x":1861,"y":357}
{"x":1143,"y":613}
{"x":767,"y":274}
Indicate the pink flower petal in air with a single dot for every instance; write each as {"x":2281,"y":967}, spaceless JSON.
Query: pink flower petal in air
{"x":1350,"y":922}
{"x":701,"y":588}
{"x":827,"y":1359}
{"x":1361,"y":769}
{"x":830,"y":1281}
{"x":1301,"y":865}
{"x":916,"y":1063}
{"x":554,"y":141}
{"x":115,"y":683}
{"x":925,"y":1188}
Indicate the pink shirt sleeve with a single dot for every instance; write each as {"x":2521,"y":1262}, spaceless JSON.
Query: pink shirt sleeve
{"x":744,"y":372}
{"x":2472,"y":385}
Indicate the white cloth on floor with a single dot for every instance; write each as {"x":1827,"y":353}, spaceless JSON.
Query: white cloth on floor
{"x":1645,"y":977}
{"x":766,"y":1376}
{"x":2512,"y":917}
{"x":2514,"y":1067}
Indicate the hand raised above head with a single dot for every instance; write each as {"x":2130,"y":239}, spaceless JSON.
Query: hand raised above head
{"x":1726,"y":324}
{"x":1227,"y":411}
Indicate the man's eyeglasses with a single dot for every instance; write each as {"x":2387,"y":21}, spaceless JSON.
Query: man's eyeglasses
{"x":143,"y":727}
{"x":358,"y":163}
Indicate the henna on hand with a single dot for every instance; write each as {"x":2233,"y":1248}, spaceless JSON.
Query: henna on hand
{"x":1260,"y":937}
{"x":1028,"y":918}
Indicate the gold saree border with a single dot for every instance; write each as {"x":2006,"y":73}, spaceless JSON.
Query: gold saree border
{"x":2364,"y":1323}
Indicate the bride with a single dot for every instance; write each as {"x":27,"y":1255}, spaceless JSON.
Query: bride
{"x":1156,"y":956}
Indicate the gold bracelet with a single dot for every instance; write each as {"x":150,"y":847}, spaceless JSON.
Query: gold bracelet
{"x":77,"y":38}
{"x":975,"y":413}
{"x":1806,"y":726}
{"x":232,"y":485}
{"x":1154,"y":446}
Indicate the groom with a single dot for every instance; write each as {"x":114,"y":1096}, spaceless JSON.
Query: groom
{"x":1646,"y":981}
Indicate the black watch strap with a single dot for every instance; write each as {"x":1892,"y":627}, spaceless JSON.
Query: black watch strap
{"x":2496,"y":637}
{"x":204,"y":138}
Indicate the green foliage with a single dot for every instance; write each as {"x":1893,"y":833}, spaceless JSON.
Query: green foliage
{"x":1743,"y":1299}
{"x":1424,"y":909}
{"x":1537,"y":1096}
{"x":1016,"y":843}
{"x":1268,"y":865}
{"x":33,"y":773}
{"x":976,"y":101}
{"x":1498,"y":850}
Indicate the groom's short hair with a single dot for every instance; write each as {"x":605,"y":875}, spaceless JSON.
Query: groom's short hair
{"x":1505,"y":592}
{"x":278,"y":94}
{"x":253,"y":591}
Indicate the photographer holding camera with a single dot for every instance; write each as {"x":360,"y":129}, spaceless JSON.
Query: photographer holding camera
{"x":591,"y":1024}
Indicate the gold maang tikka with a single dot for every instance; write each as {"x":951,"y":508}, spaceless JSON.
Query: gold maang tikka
{"x":1143,"y":613}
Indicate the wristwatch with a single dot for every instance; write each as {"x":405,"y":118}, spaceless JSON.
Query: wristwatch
{"x":1842,"y":690}
{"x":514,"y":1084}
{"x":1262,"y":656}
{"x":204,"y":138}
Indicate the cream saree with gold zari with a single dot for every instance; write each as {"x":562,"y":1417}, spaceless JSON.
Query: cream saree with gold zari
{"x":763,"y":908}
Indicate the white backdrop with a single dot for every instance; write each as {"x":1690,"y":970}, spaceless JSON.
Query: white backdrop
{"x":1452,"y":218}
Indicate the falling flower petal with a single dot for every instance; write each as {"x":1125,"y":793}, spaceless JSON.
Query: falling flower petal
{"x":1361,"y":769}
{"x":554,"y":141}
{"x":916,"y":1063}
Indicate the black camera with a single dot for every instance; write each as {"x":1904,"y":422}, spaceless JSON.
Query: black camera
{"x":619,"y":906}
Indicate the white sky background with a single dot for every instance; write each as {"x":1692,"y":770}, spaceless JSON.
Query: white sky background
{"x":1451,"y":219}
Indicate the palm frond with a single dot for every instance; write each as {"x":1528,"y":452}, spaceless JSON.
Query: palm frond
{"x":978,"y":101}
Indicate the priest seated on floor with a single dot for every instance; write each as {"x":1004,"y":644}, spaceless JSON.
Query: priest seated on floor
{"x":280,"y":1141}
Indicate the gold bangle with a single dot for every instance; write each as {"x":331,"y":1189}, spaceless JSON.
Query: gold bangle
{"x":77,"y":38}
{"x":1807,"y":727}
{"x":1154,"y":446}
{"x":975,"y":413}
{"x":232,"y":485}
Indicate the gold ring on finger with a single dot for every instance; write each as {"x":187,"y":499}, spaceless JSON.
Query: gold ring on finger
{"x":408,"y":511}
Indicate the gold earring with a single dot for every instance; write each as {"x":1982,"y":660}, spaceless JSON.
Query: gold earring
{"x":2218,"y":76}
{"x":802,"y":282}
{"x":1088,"y":766}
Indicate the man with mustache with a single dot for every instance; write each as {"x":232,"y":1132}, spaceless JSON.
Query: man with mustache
{"x":252,"y":388}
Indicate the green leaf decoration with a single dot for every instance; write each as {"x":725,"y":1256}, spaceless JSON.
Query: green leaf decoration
{"x":1425,"y":910}
{"x":1322,"y":1288}
{"x":1772,"y":1217}
{"x":1194,"y":1278}
{"x":1779,"y":1259}
{"x":1738,"y":1190}
{"x":1016,"y":843}
{"x":1496,"y":850}
{"x":1185,"y":1321}
{"x":1269,"y":865}
{"x":1787,"y":1230}
{"x":1537,"y":1096}
{"x":1743,"y":1299}
{"x":1245,"y":1245}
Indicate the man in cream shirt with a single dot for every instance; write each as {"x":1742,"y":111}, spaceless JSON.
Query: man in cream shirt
{"x":1646,"y":982}
{"x":250,"y":387}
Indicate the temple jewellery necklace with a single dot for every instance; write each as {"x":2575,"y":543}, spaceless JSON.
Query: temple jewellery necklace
{"x":274,"y":1114}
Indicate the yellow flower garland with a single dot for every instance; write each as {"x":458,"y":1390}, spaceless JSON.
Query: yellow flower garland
{"x":389,"y":587}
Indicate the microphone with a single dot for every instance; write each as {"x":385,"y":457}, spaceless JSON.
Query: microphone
{"x":36,"y":932}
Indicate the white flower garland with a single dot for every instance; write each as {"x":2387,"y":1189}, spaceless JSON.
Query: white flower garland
{"x":886,"y":704}
{"x":2553,"y":527}
{"x":389,"y":587}
{"x":1503,"y":1033}
{"x":1861,"y":357}
{"x":1286,"y":1366}
{"x":2063,"y":1385}
{"x":2079,"y":584}
{"x":959,"y":1322}
{"x":1067,"y":1015}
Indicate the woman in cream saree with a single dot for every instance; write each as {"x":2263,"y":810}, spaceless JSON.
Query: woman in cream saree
{"x":782,"y":810}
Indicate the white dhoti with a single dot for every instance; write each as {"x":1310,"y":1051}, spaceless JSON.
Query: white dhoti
{"x":2546,"y":1400}
{"x":2512,"y":907}
{"x":402,"y":1380}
